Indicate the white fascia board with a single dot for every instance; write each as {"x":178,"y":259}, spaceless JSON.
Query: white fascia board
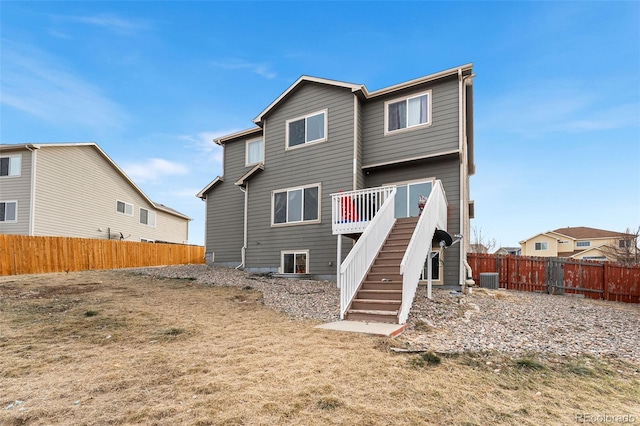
{"x":419,"y":80}
{"x":221,"y":140}
{"x":306,"y":78}
{"x":209,"y":186}
{"x":250,"y":173}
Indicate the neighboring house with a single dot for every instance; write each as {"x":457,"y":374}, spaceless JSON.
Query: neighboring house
{"x":325,"y":157}
{"x":478,"y":248}
{"x":76,"y":190}
{"x":513,"y":251}
{"x":577,"y":243}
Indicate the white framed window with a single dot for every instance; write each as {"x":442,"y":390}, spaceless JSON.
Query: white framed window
{"x":124,"y":208}
{"x":10,"y":165}
{"x":294,"y":262}
{"x":296,"y":205}
{"x":147,"y":217}
{"x":146,"y":240}
{"x":542,"y":246}
{"x":254,"y":152}
{"x":311,"y":128}
{"x":407,"y":113}
{"x":9,"y":211}
{"x":625,"y":243}
{"x":436,"y":269}
{"x":583,"y":244}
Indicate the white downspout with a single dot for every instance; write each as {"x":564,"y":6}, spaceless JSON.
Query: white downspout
{"x":465,"y":268}
{"x":461,"y":136}
{"x":464,"y":167}
{"x":32,"y":201}
{"x":243,"y":250}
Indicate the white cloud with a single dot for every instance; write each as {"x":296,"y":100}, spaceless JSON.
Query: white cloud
{"x":261,"y":69}
{"x":107,"y":21}
{"x":36,"y":84}
{"x":203,"y":142}
{"x":154,"y":169}
{"x":534,"y":110}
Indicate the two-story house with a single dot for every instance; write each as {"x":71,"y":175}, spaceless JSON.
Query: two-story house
{"x":329,"y":163}
{"x":76,"y":190}
{"x":578,"y":242}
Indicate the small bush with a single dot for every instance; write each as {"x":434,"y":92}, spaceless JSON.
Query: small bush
{"x":528,"y":364}
{"x":91,"y":313}
{"x":173,"y":331}
{"x":328,"y":403}
{"x":431,"y":358}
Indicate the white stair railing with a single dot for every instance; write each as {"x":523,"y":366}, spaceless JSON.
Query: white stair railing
{"x":364,"y":252}
{"x":434,"y":216}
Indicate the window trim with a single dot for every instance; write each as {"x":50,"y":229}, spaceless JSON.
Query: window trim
{"x":246,"y":152}
{"x":428,"y":123}
{"x":440,"y":280}
{"x":325,"y":111}
{"x":583,"y":243}
{"x":150,"y":213}
{"x":301,"y":222}
{"x":7,"y":202}
{"x":19,"y":156}
{"x":294,"y":253}
{"x":544,"y":245}
{"x":125,"y":208}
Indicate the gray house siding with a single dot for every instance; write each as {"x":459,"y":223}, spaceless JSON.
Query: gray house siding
{"x":328,"y":163}
{"x":360,"y":178}
{"x":76,"y":194}
{"x":447,"y":170}
{"x":441,"y":136}
{"x":225,"y":209}
{"x":17,"y":188}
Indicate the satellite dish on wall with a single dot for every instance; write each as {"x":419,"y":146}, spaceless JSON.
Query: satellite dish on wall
{"x":443,"y":237}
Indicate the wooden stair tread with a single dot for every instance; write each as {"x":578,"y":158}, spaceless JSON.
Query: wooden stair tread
{"x":378,"y":301}
{"x":372,"y":312}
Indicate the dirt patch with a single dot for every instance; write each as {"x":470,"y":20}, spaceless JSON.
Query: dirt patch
{"x":117,"y":348}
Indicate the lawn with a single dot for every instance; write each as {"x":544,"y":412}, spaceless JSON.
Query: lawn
{"x":113,"y":347}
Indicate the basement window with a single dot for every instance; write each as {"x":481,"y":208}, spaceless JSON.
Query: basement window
{"x":295,"y":262}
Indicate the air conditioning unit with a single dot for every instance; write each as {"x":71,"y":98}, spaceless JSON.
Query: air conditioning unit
{"x":489,"y":280}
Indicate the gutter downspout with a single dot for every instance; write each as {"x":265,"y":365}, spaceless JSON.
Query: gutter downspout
{"x":32,"y":201}
{"x":465,"y":268}
{"x":243,"y":250}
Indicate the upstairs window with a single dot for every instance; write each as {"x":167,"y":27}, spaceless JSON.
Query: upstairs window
{"x":147,"y":217}
{"x":254,"y":152}
{"x":124,"y":208}
{"x":8,"y":211}
{"x":10,"y":165}
{"x":308,"y":129}
{"x":542,"y":246}
{"x":408,"y":112}
{"x":625,"y":243}
{"x":583,"y":244}
{"x":296,"y":205}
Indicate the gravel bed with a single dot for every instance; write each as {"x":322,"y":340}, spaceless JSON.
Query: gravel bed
{"x":509,"y":322}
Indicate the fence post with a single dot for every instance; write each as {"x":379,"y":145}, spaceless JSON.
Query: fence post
{"x":605,"y":280}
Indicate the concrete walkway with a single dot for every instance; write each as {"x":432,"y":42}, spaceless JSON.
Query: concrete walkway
{"x":375,"y":328}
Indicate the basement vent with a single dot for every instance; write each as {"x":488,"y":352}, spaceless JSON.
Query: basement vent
{"x":489,"y":280}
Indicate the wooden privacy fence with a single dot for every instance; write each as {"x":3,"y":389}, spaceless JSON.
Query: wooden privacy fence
{"x":596,"y":280}
{"x":21,"y":254}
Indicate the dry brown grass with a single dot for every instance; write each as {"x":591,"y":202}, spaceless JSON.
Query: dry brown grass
{"x":115,"y":348}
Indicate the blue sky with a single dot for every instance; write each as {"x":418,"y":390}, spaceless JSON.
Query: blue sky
{"x":557,"y":92}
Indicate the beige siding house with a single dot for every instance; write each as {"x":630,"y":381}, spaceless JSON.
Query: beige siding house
{"x":76,"y":190}
{"x":576,"y":243}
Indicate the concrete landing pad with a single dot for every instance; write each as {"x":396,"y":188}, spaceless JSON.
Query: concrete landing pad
{"x":375,"y":328}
